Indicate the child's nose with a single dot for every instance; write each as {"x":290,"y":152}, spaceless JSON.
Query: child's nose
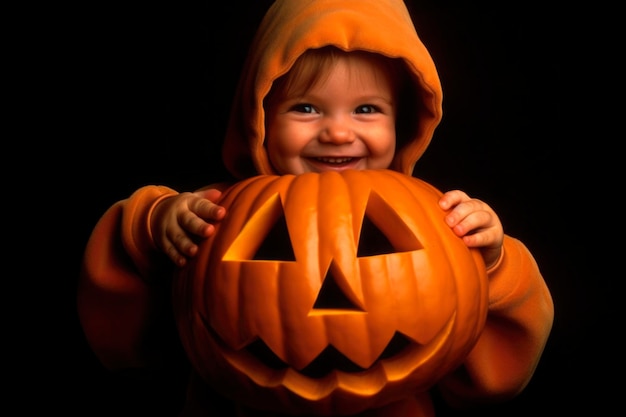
{"x":337,"y":131}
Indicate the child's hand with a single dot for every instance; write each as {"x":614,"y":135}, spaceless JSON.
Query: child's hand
{"x":179,"y":221}
{"x":475,"y":222}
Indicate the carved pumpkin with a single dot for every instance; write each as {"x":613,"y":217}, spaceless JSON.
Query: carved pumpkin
{"x":330,"y":293}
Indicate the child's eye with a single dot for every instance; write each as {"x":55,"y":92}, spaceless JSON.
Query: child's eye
{"x":302,"y":108}
{"x":367,"y":108}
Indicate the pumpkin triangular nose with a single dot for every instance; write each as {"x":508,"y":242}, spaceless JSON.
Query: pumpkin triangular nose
{"x":331,"y":297}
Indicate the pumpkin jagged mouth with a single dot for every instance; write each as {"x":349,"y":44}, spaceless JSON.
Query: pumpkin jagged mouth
{"x":331,"y":370}
{"x":330,"y":359}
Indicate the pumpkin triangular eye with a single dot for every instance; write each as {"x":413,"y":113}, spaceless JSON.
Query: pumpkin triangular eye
{"x":372,"y":240}
{"x":331,"y":297}
{"x":264,"y":237}
{"x":276,"y":245}
{"x":384,"y":231}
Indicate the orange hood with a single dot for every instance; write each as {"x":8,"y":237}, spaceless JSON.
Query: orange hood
{"x":289,"y":28}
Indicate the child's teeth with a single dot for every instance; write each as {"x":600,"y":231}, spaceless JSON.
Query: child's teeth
{"x":335,"y":160}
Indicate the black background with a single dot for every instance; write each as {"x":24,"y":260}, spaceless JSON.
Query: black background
{"x":149,"y":87}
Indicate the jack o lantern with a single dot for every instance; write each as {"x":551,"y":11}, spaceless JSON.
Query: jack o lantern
{"x":330,"y":293}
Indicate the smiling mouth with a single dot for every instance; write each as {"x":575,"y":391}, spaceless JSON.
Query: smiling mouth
{"x":334,"y":161}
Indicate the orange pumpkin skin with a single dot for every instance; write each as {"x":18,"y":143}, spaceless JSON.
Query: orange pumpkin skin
{"x":320,"y":323}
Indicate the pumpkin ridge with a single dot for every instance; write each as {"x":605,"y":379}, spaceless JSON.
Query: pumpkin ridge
{"x":418,"y":193}
{"x":352,"y":192}
{"x":456,"y":263}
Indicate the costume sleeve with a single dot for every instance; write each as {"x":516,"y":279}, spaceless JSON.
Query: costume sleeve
{"x":124,"y":283}
{"x":519,"y":320}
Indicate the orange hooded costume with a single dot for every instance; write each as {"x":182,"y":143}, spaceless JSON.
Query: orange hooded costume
{"x":124,"y":282}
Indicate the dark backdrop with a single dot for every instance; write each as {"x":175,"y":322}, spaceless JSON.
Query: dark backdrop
{"x":151,"y":86}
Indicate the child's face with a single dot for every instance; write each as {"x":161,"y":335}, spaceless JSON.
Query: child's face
{"x":344,"y":121}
